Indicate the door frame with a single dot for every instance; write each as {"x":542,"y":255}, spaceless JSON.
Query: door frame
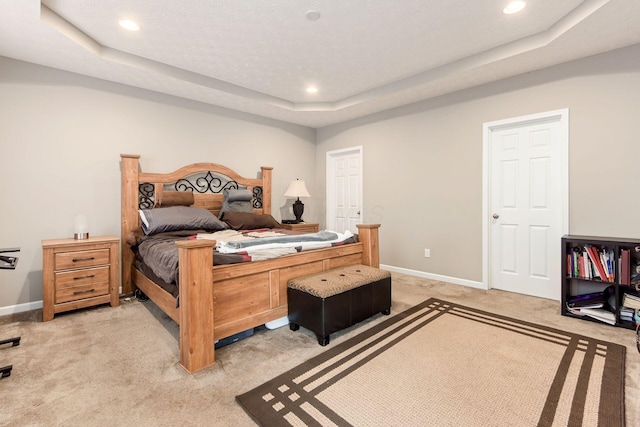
{"x":329,"y":182}
{"x":562,"y":116}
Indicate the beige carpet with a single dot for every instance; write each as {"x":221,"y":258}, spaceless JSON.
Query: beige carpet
{"x":444,"y":364}
{"x":118,"y":366}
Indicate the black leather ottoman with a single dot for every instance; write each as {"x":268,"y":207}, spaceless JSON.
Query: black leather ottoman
{"x":335,"y":299}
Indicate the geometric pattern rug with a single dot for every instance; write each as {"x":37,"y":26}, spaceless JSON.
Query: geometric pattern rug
{"x":444,"y":364}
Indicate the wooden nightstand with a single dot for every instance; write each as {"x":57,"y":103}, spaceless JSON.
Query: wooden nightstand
{"x":307,"y":227}
{"x":79,"y":273}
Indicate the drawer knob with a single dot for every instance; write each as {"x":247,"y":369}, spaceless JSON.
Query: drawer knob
{"x":84,"y":292}
{"x":83,"y":259}
{"x":84,"y":277}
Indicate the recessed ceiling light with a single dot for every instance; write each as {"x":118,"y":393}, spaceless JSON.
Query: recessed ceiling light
{"x":129,"y":25}
{"x":312,"y":15}
{"x":514,"y":7}
{"x":312,"y":89}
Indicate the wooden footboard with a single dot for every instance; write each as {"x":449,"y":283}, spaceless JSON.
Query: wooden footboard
{"x":247,"y":295}
{"x":243,"y":296}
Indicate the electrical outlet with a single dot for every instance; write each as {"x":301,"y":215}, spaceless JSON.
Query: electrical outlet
{"x":427,"y":253}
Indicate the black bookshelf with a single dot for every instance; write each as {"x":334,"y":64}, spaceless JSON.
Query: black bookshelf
{"x":576,"y":284}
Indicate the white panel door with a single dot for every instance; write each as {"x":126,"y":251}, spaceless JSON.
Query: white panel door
{"x":526,"y":207}
{"x":344,"y":189}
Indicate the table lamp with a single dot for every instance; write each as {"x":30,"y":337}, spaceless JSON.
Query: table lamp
{"x":297,"y":189}
{"x":81,"y":228}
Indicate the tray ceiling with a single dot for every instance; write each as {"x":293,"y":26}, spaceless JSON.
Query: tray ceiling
{"x":364,"y":56}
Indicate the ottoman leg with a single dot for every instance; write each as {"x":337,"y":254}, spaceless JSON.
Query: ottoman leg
{"x":323,"y":341}
{"x":294,"y":326}
{"x":386,"y":312}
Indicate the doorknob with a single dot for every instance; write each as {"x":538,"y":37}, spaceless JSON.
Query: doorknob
{"x":495,"y":216}
{"x":358,"y":213}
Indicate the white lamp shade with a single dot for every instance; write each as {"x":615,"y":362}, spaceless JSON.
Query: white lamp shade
{"x":81,"y":225}
{"x":297,"y":189}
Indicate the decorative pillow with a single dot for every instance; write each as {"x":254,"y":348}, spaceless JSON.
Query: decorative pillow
{"x":175,"y":218}
{"x":249,"y":221}
{"x":237,"y":200}
{"x":175,"y":198}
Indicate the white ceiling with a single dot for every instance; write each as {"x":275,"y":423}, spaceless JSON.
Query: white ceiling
{"x":258,"y":56}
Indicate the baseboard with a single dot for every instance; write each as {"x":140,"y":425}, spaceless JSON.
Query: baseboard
{"x":35,"y":305}
{"x":431,"y":276}
{"x":19,"y":308}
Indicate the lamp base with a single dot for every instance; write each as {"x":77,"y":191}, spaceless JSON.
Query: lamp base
{"x":80,"y":236}
{"x":298,"y":210}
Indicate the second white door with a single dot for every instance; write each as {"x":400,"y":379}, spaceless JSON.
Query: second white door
{"x":344,"y":189}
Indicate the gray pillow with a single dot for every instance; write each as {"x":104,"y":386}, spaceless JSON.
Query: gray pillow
{"x":237,"y":200}
{"x":176,"y":218}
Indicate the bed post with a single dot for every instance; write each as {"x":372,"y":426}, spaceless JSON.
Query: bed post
{"x":266,"y":189}
{"x":130,"y":166}
{"x":196,"y":304}
{"x":368,"y":235}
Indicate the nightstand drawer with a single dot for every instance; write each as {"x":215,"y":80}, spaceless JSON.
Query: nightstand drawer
{"x":78,"y":292}
{"x":88,"y":276}
{"x":307,"y":228}
{"x":79,"y":259}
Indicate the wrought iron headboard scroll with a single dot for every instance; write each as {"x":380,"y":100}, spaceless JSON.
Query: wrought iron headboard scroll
{"x":209,"y":182}
{"x":204,"y":184}
{"x":146,"y":195}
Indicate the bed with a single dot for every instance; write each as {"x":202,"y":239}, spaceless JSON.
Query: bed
{"x":218,"y":301}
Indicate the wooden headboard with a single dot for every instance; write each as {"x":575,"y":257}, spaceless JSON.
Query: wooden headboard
{"x":207,"y":181}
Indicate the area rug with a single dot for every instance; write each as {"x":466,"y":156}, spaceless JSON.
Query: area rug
{"x":444,"y":364}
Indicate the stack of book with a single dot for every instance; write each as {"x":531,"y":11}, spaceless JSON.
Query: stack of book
{"x":595,"y":313}
{"x":593,"y":305}
{"x":627,"y":314}
{"x":589,"y":262}
{"x":630,"y":310}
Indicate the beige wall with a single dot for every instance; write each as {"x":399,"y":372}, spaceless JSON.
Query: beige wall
{"x":61,"y":136}
{"x":423,"y":162}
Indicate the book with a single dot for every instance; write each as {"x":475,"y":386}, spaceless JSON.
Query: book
{"x":597,"y":262}
{"x":586,"y":300}
{"x":595,"y":273}
{"x":610,"y":257}
{"x":581,"y":270}
{"x":575,"y":262}
{"x":588,"y":271}
{"x":627,"y":313}
{"x":599,"y":314}
{"x":606,"y":258}
{"x":631,"y":301}
{"x":625,"y":266}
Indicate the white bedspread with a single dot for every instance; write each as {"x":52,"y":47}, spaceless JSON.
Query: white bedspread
{"x":225,"y":248}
